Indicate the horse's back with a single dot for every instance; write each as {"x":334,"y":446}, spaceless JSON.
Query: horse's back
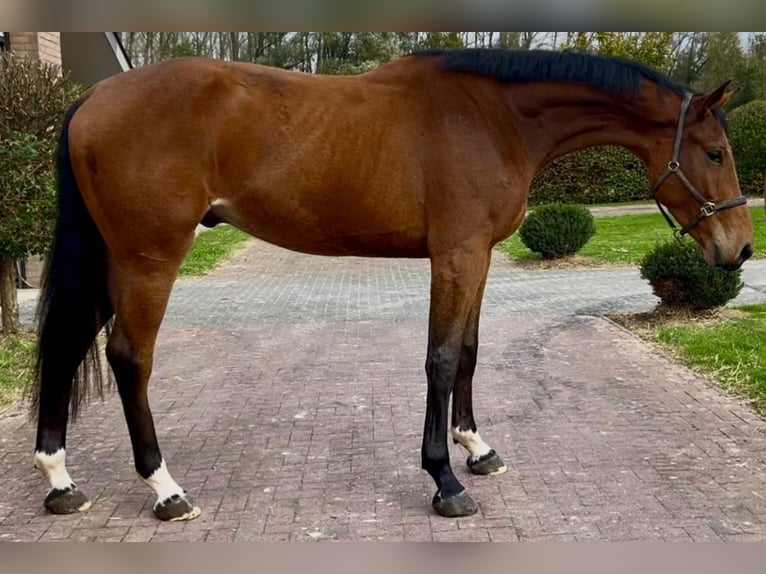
{"x":314,"y":163}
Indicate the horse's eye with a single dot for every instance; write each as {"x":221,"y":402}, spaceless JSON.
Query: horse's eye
{"x":716,"y":156}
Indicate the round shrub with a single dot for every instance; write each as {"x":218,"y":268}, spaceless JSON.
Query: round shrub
{"x":557,"y":230}
{"x":681,"y":278}
{"x":747,"y":135}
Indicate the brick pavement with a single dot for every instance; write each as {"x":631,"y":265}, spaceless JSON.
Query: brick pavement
{"x":289,"y":395}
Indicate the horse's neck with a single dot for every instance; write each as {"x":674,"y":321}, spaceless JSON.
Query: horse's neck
{"x":555,"y":122}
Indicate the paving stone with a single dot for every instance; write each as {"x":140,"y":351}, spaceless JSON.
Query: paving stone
{"x":289,"y":395}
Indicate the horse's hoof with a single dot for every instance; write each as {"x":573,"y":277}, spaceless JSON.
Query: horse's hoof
{"x":486,"y":464}
{"x":66,"y":501}
{"x":176,"y":508}
{"x":457,"y":505}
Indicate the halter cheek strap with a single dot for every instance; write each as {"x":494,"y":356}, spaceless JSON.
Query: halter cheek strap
{"x":707,"y":208}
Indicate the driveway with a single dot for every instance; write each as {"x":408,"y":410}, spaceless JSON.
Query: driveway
{"x":289,"y":395}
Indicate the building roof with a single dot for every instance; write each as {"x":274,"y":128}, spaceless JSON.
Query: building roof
{"x":92,"y":56}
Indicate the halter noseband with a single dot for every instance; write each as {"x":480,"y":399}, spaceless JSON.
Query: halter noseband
{"x":707,"y":208}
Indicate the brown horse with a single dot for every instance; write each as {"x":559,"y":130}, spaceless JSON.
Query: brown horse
{"x":431,"y":155}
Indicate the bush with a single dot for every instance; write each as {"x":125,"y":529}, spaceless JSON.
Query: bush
{"x":33,"y":98}
{"x":602,"y":174}
{"x":747,"y":135}
{"x":557,"y":230}
{"x":27,"y":193}
{"x":680,"y":277}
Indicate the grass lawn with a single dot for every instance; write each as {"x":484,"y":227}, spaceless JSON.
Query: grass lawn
{"x":625,"y":239}
{"x":729,"y":347}
{"x":211,"y":248}
{"x":16,"y":362}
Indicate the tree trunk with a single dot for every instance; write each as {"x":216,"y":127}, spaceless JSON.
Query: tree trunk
{"x":234,"y":39}
{"x":8,"y":299}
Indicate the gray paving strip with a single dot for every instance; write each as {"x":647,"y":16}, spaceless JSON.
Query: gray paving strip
{"x":289,"y":395}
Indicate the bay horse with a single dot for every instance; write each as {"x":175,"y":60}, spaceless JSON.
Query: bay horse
{"x":428,"y":156}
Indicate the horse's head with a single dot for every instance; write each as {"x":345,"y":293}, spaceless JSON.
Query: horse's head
{"x":699,"y":184}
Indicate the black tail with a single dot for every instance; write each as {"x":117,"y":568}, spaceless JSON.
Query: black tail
{"x":74,"y":303}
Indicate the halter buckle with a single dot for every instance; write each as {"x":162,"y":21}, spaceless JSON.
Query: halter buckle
{"x":707,"y":209}
{"x":673,"y":165}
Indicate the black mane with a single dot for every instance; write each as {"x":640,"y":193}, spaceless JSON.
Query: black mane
{"x":615,"y":75}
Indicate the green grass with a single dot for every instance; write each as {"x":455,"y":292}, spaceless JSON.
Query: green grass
{"x":625,"y":239}
{"x":16,"y":362}
{"x":211,"y":248}
{"x":622,"y":203}
{"x":731,"y":351}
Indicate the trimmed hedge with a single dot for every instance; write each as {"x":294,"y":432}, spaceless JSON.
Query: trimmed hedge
{"x":607,"y":174}
{"x":557,"y":230}
{"x":681,"y":278}
{"x":747,"y":135}
{"x":596,"y":175}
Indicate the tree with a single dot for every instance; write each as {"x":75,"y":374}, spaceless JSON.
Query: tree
{"x":690,"y":57}
{"x":33,"y":99}
{"x":371,"y":49}
{"x":442,"y":40}
{"x":323,"y":52}
{"x":724,"y":59}
{"x":651,"y":48}
{"x":755,"y":70}
{"x":509,"y":40}
{"x":655,"y":49}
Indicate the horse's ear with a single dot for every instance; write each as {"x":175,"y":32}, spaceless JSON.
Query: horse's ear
{"x":719,"y":97}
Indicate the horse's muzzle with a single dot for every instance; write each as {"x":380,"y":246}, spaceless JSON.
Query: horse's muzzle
{"x":744,"y":255}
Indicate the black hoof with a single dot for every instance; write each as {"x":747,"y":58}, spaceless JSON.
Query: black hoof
{"x":457,"y":505}
{"x":176,"y":508}
{"x":490,"y":463}
{"x":66,"y":501}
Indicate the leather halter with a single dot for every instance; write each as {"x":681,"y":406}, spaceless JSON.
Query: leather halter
{"x":707,"y":208}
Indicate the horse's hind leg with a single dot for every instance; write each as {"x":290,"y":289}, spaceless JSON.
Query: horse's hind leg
{"x":456,"y":279}
{"x":58,"y":372}
{"x":140,"y":301}
{"x":481,"y":458}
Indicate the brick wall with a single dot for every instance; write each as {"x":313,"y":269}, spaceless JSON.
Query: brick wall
{"x":43,"y":45}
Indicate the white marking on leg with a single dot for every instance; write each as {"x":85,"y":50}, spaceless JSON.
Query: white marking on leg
{"x":165,"y":487}
{"x":472,"y":442}
{"x":163,"y":484}
{"x":53,"y":467}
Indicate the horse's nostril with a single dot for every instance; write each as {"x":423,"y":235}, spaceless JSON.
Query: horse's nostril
{"x":747,"y":252}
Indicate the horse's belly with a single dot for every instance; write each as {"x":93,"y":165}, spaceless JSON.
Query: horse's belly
{"x":361,"y":244}
{"x":305,"y":231}
{"x":380,"y":245}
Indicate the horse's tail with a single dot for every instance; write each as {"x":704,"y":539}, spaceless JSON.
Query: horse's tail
{"x":74,"y":303}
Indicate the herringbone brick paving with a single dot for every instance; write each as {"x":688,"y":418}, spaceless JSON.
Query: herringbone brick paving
{"x":289,"y":395}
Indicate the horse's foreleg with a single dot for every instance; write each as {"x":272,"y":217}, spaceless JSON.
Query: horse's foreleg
{"x":456,"y":279}
{"x":141,"y":303}
{"x":482,"y":459}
